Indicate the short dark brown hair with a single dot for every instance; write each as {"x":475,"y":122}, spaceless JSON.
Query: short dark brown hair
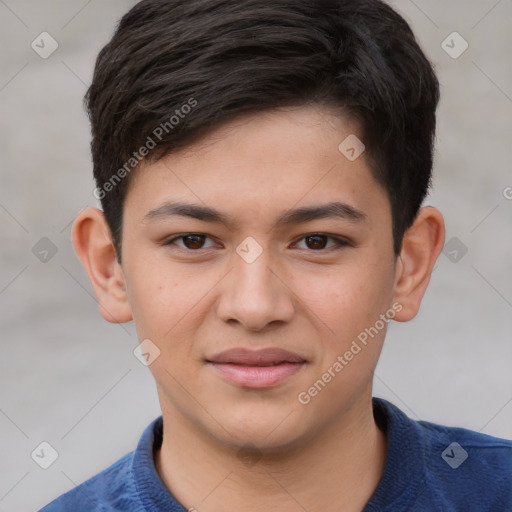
{"x":176,"y":69}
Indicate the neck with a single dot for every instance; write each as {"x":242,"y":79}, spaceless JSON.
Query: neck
{"x":336,"y":469}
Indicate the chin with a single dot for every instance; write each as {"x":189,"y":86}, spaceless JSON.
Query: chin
{"x":268,"y":432}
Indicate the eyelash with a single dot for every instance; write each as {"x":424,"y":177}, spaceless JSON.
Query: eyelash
{"x":339,"y":242}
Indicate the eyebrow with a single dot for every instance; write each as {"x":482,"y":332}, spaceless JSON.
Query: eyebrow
{"x":296,"y":216}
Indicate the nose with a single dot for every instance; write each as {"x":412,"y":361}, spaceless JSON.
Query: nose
{"x":255,"y":295}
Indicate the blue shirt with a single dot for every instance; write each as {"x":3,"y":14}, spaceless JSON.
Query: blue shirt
{"x":429,"y":468}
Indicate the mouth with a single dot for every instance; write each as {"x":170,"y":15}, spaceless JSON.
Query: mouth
{"x":257,"y":369}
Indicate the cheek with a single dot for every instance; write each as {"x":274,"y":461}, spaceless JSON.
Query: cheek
{"x":170,"y":307}
{"x":349,"y":299}
{"x":159,"y":299}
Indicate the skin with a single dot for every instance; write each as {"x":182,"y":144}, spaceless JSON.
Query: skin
{"x":195,"y":298}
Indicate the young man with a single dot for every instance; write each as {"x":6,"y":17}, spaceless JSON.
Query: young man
{"x":261,"y":167}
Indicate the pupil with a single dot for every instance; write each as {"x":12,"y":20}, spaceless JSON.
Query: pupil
{"x":317,"y":241}
{"x":193,"y":241}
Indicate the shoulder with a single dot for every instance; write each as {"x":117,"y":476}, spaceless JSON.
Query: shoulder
{"x":448,"y":468}
{"x":119,"y":487}
{"x":110,"y":490}
{"x":459,"y":447}
{"x":475,"y":460}
{"x":474,"y":467}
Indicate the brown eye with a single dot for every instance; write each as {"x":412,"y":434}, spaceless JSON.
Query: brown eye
{"x":316,"y":241}
{"x":320,"y":242}
{"x":193,"y":241}
{"x":189,"y":241}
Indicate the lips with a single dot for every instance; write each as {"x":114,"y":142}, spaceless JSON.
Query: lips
{"x":262,"y":357}
{"x":256,"y":368}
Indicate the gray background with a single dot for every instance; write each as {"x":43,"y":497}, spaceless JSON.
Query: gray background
{"x":69,"y":378}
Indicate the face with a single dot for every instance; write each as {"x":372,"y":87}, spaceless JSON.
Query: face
{"x":264,"y":240}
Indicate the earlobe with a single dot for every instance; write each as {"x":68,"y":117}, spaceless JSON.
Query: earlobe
{"x":93,"y":245}
{"x":421,"y":246}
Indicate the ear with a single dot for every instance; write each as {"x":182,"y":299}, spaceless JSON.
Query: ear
{"x":421,"y":246}
{"x":93,"y":245}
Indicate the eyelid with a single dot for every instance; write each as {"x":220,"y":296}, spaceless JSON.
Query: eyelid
{"x":174,"y":238}
{"x":340,"y":241}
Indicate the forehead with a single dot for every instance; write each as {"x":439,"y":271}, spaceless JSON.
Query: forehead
{"x":263,"y":163}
